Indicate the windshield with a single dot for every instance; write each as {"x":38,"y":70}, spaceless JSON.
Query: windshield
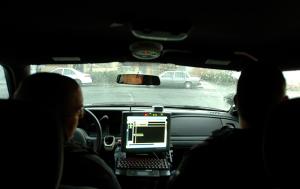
{"x":181,"y":86}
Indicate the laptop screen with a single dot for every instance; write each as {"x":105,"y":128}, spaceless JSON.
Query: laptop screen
{"x":145,"y":131}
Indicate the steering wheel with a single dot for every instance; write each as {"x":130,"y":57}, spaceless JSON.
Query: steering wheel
{"x":81,"y":136}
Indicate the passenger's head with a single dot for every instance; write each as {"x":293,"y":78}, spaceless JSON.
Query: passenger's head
{"x":60,"y":93}
{"x":260,"y":88}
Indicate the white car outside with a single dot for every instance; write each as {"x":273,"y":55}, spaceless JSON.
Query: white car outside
{"x":80,"y":77}
{"x":178,"y":79}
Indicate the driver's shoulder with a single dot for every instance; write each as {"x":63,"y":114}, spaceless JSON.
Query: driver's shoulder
{"x":72,"y":147}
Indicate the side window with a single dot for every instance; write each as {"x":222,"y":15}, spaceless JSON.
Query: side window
{"x":3,"y":85}
{"x":167,"y":75}
{"x":292,"y":83}
{"x":68,"y":72}
{"x":179,"y":75}
{"x":58,"y":71}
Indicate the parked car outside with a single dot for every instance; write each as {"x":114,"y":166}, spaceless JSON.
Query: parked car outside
{"x":80,"y":77}
{"x":178,"y":79}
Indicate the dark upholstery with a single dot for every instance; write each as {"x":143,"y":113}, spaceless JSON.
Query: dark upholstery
{"x":282,"y":144}
{"x":230,"y":158}
{"x":80,"y":136}
{"x":75,"y":187}
{"x":83,"y":167}
{"x":32,"y":153}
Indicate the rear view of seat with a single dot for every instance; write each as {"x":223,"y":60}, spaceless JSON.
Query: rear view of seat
{"x":282,"y":145}
{"x":32,"y":146}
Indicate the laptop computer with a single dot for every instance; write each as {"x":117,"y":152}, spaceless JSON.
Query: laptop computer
{"x":145,"y":142}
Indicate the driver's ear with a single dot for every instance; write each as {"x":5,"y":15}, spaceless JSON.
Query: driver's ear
{"x":81,"y":113}
{"x":70,"y":123}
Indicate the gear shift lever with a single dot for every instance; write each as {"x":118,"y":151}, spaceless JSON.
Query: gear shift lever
{"x":109,"y":143}
{"x":109,"y":140}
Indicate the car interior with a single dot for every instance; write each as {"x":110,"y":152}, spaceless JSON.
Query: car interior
{"x":123,"y":49}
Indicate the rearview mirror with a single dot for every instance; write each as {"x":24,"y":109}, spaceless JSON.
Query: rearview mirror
{"x":138,"y":79}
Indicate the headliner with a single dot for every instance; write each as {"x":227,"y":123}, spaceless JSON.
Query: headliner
{"x":270,"y":32}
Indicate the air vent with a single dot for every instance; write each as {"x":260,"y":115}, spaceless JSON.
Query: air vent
{"x":230,"y":125}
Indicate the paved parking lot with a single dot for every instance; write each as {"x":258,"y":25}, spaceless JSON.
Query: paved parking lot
{"x":207,"y":96}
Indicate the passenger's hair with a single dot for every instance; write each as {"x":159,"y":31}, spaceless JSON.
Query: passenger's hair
{"x":259,"y":89}
{"x":48,"y":89}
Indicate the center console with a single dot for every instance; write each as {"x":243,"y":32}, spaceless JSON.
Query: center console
{"x":143,"y":155}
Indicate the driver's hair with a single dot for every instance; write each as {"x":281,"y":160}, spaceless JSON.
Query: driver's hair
{"x":48,"y":89}
{"x":259,"y":89}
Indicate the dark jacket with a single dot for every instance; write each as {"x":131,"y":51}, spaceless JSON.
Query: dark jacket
{"x":230,"y":158}
{"x":84,"y":167}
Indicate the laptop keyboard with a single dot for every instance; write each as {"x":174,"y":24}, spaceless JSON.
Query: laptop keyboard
{"x":143,"y":163}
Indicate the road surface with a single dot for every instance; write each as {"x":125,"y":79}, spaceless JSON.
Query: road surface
{"x":206,"y":96}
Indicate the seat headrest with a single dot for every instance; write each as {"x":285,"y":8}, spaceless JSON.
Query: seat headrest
{"x":33,"y":145}
{"x":282,"y":143}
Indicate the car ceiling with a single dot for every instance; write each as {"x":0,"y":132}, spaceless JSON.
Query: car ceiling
{"x":95,"y":33}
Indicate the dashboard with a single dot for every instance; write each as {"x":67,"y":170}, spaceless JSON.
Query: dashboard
{"x":188,"y":127}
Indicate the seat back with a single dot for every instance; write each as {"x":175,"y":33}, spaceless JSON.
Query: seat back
{"x":281,"y":145}
{"x":32,"y":140}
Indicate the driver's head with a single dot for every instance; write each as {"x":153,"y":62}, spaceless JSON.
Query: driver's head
{"x":60,"y":93}
{"x":259,"y":89}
